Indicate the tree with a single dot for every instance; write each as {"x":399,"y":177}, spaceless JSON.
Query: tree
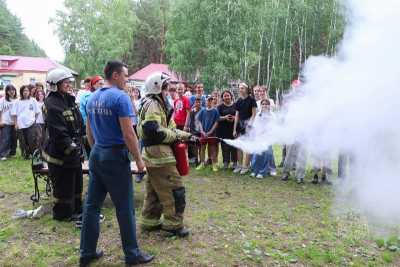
{"x":12,"y":39}
{"x":149,"y":38}
{"x":261,"y":42}
{"x":95,"y":31}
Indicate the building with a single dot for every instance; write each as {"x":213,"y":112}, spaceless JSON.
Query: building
{"x":18,"y":70}
{"x":137,"y":79}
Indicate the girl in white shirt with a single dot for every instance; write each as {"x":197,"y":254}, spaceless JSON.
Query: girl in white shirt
{"x":8,"y":144}
{"x":24,"y":112}
{"x":264,"y":163}
{"x":39,"y":96}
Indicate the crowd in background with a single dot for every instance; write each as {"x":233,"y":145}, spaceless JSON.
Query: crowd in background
{"x":213,"y":118}
{"x":21,"y":119}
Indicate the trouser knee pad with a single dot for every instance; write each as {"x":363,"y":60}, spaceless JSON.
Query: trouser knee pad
{"x":180,"y":199}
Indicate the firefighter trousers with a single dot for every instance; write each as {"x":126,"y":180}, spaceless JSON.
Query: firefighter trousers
{"x":165,"y":195}
{"x":67,"y":191}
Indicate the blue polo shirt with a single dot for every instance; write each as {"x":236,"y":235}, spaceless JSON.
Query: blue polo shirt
{"x":104,"y":109}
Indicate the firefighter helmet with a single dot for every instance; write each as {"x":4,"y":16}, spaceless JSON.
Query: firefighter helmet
{"x":57,"y":75}
{"x":155,"y":82}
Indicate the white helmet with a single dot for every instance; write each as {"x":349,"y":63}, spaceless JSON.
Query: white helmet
{"x":55,"y":76}
{"x":154,"y":83}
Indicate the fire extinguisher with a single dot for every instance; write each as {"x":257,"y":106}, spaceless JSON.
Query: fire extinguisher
{"x":182,"y":162}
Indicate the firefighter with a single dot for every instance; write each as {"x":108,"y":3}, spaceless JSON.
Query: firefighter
{"x":165,"y":192}
{"x":62,"y":149}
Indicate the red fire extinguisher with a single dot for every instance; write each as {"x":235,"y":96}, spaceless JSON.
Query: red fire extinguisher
{"x":182,"y":162}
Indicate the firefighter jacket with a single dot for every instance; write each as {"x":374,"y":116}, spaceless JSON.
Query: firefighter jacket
{"x":64,"y":130}
{"x":158,"y":132}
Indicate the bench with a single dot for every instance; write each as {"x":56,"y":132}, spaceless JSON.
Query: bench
{"x":40,"y":171}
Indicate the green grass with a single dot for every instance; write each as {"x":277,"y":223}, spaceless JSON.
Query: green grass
{"x":235,"y":221}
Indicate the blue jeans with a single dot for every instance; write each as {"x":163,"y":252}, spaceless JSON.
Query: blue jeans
{"x":263,"y":163}
{"x":109,"y":172}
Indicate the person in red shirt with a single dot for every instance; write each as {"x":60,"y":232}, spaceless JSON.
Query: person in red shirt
{"x":181,"y":108}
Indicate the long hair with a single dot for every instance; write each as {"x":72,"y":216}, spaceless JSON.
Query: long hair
{"x":9,"y":88}
{"x":227,"y":92}
{"x":248,"y":89}
{"x":37,"y":94}
{"x":21,"y":92}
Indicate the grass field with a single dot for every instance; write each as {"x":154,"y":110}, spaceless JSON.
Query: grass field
{"x":235,"y":221}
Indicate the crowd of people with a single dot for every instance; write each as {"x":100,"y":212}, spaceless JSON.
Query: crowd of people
{"x":109,"y":119}
{"x":212,"y":117}
{"x":222,"y":115}
{"x":21,"y":120}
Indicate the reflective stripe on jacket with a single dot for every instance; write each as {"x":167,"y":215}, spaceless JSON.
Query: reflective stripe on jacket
{"x":162,"y":153}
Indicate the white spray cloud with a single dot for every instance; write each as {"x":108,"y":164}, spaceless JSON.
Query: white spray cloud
{"x":350,"y":103}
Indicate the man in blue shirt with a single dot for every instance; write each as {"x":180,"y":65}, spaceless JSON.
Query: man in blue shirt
{"x":110,"y":133}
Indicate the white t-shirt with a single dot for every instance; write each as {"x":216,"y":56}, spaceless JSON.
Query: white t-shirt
{"x":26,"y":111}
{"x":271,"y":103}
{"x":5,"y":109}
{"x":40,"y":118}
{"x":137,"y":104}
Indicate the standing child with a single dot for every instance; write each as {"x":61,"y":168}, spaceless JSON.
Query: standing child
{"x":181,"y":108}
{"x":246,"y":109}
{"x":263,"y":163}
{"x":8,"y":144}
{"x":193,"y":128}
{"x":40,"y":133}
{"x":24,"y":113}
{"x":208,"y":122}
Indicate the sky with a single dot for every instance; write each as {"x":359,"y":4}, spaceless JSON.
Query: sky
{"x":34,"y":16}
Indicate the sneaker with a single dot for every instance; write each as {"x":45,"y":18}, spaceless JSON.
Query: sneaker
{"x":102,"y":218}
{"x":244,"y":171}
{"x":234,"y":166}
{"x":300,"y":181}
{"x":237,"y":169}
{"x":200,"y":167}
{"x":252,"y":174}
{"x":285,"y":177}
{"x":215,"y":167}
{"x":3,"y":159}
{"x":273,"y":173}
{"x":259,"y":176}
